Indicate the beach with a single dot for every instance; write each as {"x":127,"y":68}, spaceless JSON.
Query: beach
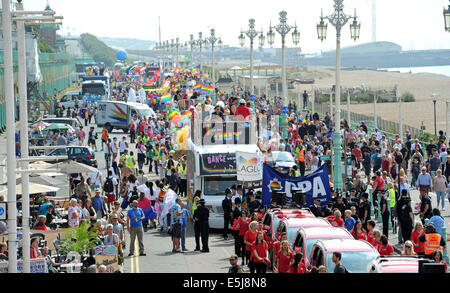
{"x":421,"y":85}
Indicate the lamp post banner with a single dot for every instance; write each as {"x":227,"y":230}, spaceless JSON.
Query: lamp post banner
{"x":315,"y":185}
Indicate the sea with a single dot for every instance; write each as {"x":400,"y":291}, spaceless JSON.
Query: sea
{"x":444,"y":70}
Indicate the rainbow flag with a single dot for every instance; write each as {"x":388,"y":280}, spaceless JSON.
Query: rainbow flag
{"x":177,"y":86}
{"x":207,"y":89}
{"x":184,"y":119}
{"x":198,"y":86}
{"x":166,"y":98}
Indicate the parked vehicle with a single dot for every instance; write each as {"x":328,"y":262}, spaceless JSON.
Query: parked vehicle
{"x":68,"y":100}
{"x":73,"y":122}
{"x":82,"y":154}
{"x":356,"y":254}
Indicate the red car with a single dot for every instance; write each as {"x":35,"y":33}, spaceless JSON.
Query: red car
{"x":291,"y":226}
{"x":356,"y":254}
{"x":307,"y":237}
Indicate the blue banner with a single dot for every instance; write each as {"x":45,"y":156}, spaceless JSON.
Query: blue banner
{"x":316,"y":185}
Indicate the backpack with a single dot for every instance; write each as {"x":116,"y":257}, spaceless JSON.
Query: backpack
{"x":109,"y":186}
{"x":404,"y":215}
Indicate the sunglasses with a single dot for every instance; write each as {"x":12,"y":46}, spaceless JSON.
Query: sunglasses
{"x":408,"y":247}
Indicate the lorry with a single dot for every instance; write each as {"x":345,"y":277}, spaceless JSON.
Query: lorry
{"x":118,"y":114}
{"x":95,"y":89}
{"x":211,"y":160}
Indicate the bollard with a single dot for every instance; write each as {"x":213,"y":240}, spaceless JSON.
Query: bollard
{"x":444,"y":235}
{"x":390,"y":213}
{"x":379,"y":219}
{"x":370,"y":200}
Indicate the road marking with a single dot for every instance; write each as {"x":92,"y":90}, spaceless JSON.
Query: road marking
{"x":137,"y":257}
{"x":132,"y":264}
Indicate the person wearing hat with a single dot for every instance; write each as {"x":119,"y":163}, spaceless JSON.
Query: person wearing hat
{"x":98,"y":203}
{"x":433,"y":241}
{"x":201,"y":216}
{"x":242,"y":111}
{"x":384,"y":209}
{"x":340,"y":204}
{"x":253,"y":205}
{"x":315,"y":208}
{"x":364,"y":210}
{"x":227,"y":206}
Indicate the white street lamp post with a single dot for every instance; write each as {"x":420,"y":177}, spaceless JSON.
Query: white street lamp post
{"x":192,"y":43}
{"x":338,"y":19}
{"x":10,"y":129}
{"x":212,"y":40}
{"x":283,"y":29}
{"x":200,"y":45}
{"x":22,"y":84}
{"x":251,"y":34}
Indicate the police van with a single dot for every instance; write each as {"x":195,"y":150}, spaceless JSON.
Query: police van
{"x":118,"y":115}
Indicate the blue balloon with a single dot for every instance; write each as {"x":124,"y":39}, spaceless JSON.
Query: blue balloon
{"x":122,"y":55}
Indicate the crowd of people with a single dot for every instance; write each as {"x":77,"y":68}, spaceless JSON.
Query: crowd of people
{"x":126,"y":198}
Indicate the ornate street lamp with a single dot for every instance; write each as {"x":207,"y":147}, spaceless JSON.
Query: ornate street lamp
{"x":338,"y":19}
{"x":283,"y":29}
{"x":251,"y":33}
{"x":192,"y":43}
{"x":447,"y":18}
{"x":212,"y":39}
{"x":200,"y":45}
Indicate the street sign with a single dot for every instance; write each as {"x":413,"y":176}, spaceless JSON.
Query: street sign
{"x":285,"y":110}
{"x":2,"y":211}
{"x":325,"y":158}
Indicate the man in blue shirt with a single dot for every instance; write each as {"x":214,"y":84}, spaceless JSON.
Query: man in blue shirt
{"x":424,"y":182}
{"x":135,"y":216}
{"x":98,"y":203}
{"x":437,"y":221}
{"x":184,"y":219}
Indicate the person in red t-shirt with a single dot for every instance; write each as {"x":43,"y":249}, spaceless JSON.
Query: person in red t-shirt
{"x":249,"y":238}
{"x":336,"y":220}
{"x":260,"y":253}
{"x":370,"y":231}
{"x":243,"y":222}
{"x":377,"y":239}
{"x":358,"y":232}
{"x":418,"y":245}
{"x":385,"y":249}
{"x":242,"y":110}
{"x":276,"y":247}
{"x":299,"y":264}
{"x":260,"y":228}
{"x":285,"y":258}
{"x":385,"y":164}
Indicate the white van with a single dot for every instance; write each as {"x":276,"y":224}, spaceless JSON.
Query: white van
{"x":118,"y":115}
{"x":68,"y":100}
